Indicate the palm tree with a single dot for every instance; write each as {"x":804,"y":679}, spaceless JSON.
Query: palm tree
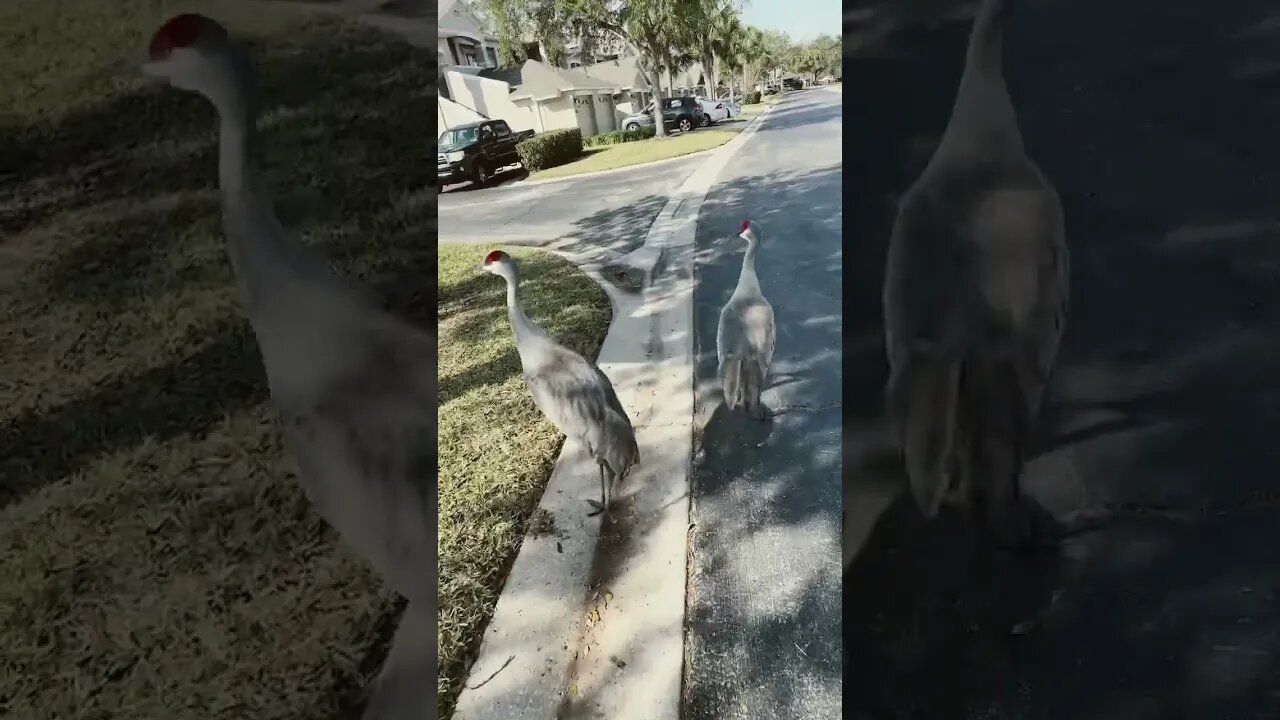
{"x":652,"y":27}
{"x":752,"y":56}
{"x":719,"y":25}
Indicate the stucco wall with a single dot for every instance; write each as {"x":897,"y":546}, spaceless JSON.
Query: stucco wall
{"x":450,"y":114}
{"x":489,"y":98}
{"x":605,"y":119}
{"x":559,"y":114}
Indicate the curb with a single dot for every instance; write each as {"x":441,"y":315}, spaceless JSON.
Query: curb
{"x":590,"y":626}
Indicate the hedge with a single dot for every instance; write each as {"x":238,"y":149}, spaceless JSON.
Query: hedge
{"x":621,"y":136}
{"x":550,"y":149}
{"x":752,"y":97}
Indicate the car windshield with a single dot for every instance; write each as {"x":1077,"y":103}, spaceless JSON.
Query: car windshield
{"x":459,"y":136}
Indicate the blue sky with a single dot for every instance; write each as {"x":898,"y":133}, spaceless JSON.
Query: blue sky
{"x":803,"y":20}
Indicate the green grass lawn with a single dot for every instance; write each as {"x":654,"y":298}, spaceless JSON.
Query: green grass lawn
{"x":642,"y":151}
{"x":159,"y":562}
{"x":496,"y":448}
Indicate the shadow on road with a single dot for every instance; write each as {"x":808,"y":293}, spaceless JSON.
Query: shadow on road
{"x":1169,"y":376}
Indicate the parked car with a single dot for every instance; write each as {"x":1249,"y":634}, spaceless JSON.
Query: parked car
{"x":678,"y":113}
{"x":713,"y":111}
{"x":476,"y":152}
{"x":770,"y":90}
{"x":733,"y":106}
{"x":793,"y":83}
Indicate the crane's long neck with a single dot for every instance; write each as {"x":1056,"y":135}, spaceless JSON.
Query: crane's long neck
{"x":263,"y":255}
{"x":983,"y":123}
{"x":747,"y":280}
{"x":521,"y":326}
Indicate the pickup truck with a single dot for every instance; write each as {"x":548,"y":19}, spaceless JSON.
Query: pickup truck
{"x":476,"y":151}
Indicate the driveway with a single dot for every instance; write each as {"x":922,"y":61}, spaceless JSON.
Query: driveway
{"x":1157,"y":125}
{"x":611,"y":211}
{"x":764,"y":586}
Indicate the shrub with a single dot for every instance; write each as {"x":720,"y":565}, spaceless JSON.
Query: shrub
{"x":620,"y":136}
{"x":752,"y":97}
{"x":550,"y":149}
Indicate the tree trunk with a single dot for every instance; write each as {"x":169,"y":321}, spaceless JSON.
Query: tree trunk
{"x":709,"y":74}
{"x":659,"y":124}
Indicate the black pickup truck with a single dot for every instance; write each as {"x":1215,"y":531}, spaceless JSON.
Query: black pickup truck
{"x":476,"y":151}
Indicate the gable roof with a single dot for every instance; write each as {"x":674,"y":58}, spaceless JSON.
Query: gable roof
{"x":623,"y":72}
{"x":537,"y":81}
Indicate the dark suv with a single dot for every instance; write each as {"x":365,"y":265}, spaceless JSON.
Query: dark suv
{"x":682,"y":113}
{"x":476,"y":151}
{"x":793,"y":83}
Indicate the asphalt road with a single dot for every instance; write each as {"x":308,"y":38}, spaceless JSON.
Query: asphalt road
{"x":764,"y":587}
{"x":612,"y":211}
{"x":1157,"y":122}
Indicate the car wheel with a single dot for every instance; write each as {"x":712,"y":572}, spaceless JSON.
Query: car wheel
{"x":632,"y":127}
{"x":706,"y":120}
{"x":685,"y":125}
{"x":483,"y":175}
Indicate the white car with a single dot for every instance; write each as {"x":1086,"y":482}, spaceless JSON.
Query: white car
{"x":713,"y":111}
{"x":731,"y":105}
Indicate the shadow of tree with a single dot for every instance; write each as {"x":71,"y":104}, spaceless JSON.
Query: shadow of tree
{"x":620,"y":229}
{"x":158,"y":404}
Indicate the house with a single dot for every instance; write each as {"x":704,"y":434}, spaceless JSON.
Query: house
{"x":564,"y":98}
{"x":465,"y":41}
{"x":632,"y":91}
{"x":537,"y":97}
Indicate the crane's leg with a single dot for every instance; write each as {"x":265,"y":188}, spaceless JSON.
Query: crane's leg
{"x":603,"y":505}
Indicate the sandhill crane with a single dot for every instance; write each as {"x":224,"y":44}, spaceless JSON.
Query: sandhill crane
{"x":569,"y":389}
{"x":975,"y":299}
{"x":745,"y":335}
{"x":354,"y":386}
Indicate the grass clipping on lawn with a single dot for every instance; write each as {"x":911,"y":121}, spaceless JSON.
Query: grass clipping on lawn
{"x":159,"y":563}
{"x":496,"y":448}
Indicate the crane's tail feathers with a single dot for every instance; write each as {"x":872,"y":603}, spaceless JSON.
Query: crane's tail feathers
{"x":924,"y":399}
{"x":743,"y":381}
{"x":731,"y":381}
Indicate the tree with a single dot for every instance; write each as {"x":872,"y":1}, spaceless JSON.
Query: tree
{"x":752,"y":55}
{"x":509,"y":22}
{"x":778,"y":51}
{"x":717,"y":31}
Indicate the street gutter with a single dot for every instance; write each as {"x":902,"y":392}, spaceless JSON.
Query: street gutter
{"x":591,"y":624}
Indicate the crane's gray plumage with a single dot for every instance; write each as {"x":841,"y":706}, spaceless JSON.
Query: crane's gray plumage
{"x":745,"y":335}
{"x":975,"y":297}
{"x":354,"y":386}
{"x":570,"y":390}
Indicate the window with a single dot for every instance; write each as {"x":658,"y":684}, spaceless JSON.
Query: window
{"x":486,"y":132}
{"x":501,"y":129}
{"x":493,"y":56}
{"x":459,"y":136}
{"x":674,"y":103}
{"x":468,"y":53}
